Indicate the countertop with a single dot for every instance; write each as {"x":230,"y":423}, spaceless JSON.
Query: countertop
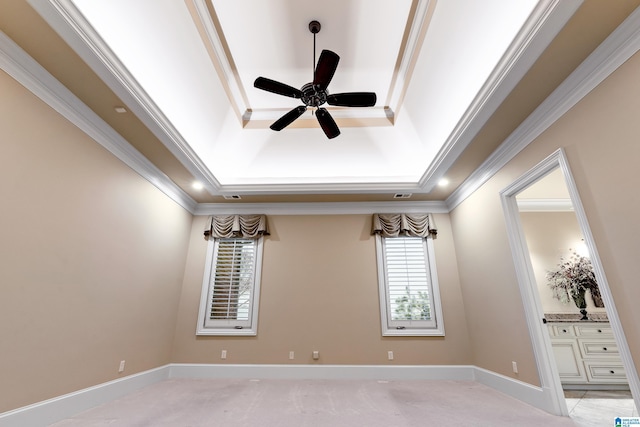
{"x":572,"y":318}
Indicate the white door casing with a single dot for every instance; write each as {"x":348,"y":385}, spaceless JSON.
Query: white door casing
{"x":543,"y":352}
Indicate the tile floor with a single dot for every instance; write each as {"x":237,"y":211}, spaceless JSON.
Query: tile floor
{"x":599,"y":408}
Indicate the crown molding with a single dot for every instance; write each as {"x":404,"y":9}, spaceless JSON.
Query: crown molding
{"x":70,"y":24}
{"x":548,"y":18}
{"x":623,"y":43}
{"x":320,"y":187}
{"x":344,"y":208}
{"x":25,"y":70}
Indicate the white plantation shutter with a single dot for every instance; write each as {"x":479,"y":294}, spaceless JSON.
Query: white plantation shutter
{"x":407,"y":278}
{"x":233,"y":280}
{"x":232,"y":287}
{"x":409,"y":301}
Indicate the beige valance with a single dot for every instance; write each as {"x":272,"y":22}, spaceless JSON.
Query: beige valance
{"x":228,"y":226}
{"x":394,"y":225}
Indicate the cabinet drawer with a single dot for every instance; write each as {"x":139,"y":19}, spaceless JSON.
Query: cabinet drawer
{"x":605,"y":372}
{"x":561,"y":330}
{"x":598,"y":348}
{"x":594,"y":330}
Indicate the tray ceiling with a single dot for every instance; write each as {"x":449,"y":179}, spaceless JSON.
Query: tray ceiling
{"x":429,"y":63}
{"x":441,"y":70}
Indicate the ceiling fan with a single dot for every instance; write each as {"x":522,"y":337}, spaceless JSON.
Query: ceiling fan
{"x":315,"y":94}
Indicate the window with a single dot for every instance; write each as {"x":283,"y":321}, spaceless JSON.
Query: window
{"x":409,"y":295}
{"x":231,"y":287}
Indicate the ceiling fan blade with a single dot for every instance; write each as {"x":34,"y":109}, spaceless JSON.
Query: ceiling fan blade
{"x":277,"y":87}
{"x":288,"y":118}
{"x":352,"y":99}
{"x":327,"y":123}
{"x":327,"y":64}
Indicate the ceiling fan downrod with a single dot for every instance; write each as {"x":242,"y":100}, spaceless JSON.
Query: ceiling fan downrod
{"x":314,"y":27}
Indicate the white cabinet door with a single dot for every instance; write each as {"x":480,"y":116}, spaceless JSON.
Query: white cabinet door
{"x":568,"y":360}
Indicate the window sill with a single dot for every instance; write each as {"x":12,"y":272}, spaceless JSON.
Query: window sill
{"x":226,"y":332}
{"x":413,"y":333}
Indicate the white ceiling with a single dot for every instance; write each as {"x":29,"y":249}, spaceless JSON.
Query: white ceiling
{"x":439,"y":71}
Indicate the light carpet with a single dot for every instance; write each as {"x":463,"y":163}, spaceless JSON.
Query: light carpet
{"x":311,"y":403}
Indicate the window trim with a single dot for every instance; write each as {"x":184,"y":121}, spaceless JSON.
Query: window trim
{"x":230,"y":327}
{"x":388,"y":329}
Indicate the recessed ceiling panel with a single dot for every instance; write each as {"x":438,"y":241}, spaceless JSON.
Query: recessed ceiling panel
{"x":272,"y":39}
{"x":197,"y":61}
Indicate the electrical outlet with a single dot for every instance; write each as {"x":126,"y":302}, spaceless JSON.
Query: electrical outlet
{"x":316,"y":355}
{"x":223,"y":354}
{"x":291,"y":355}
{"x":514,"y":365}
{"x":121,"y":367}
{"x":390,"y":355}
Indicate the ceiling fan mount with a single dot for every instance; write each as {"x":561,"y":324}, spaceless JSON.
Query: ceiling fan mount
{"x":315,"y":93}
{"x":314,"y":27}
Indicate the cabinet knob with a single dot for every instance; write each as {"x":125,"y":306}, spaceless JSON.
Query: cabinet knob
{"x":599,"y":330}
{"x":604,"y":348}
{"x":612,"y":372}
{"x":564,"y":330}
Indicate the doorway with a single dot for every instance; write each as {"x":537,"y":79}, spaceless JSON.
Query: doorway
{"x":575,"y":345}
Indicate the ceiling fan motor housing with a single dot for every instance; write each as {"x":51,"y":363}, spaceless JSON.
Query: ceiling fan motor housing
{"x":312,"y":96}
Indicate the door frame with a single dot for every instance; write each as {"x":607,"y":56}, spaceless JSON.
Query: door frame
{"x":543,"y":352}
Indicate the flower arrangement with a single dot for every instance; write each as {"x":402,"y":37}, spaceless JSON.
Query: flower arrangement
{"x":572,"y":279}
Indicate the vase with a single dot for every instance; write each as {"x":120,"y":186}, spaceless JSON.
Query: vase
{"x":580,"y":302}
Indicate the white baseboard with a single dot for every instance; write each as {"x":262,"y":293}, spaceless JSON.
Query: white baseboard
{"x":329,"y":372}
{"x":65,"y":406}
{"x":61,"y":407}
{"x":527,"y":393}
